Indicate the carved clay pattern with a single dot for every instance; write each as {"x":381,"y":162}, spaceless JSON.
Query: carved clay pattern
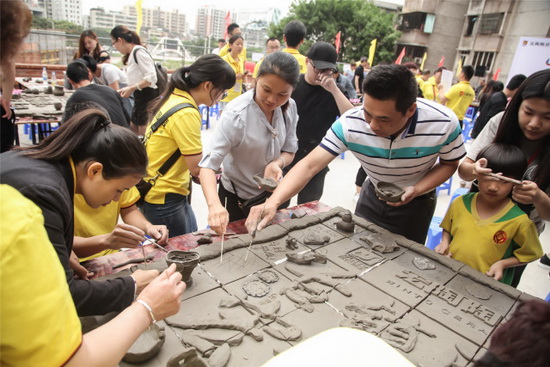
{"x":256,"y":288}
{"x":478,"y":291}
{"x":422,"y":263}
{"x":268,"y":276}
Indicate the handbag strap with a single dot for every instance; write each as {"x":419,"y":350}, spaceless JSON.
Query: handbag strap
{"x":161,"y":122}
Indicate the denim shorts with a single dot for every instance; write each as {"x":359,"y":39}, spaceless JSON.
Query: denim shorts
{"x":175,"y":213}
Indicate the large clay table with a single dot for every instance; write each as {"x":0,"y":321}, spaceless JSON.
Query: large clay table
{"x":434,"y":310}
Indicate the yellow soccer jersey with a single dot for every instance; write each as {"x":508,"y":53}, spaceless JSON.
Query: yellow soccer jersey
{"x":40,"y":326}
{"x":480,"y":243}
{"x":299,"y":57}
{"x":460,"y":97}
{"x":89,"y":222}
{"x":182,"y":131}
{"x":238,"y":67}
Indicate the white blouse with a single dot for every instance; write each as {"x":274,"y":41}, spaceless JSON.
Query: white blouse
{"x":145,"y":69}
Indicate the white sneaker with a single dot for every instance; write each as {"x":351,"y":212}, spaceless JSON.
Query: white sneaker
{"x":356,"y":197}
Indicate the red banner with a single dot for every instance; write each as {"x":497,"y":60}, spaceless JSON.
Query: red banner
{"x":400,"y":57}
{"x":227,"y":23}
{"x":337,"y":42}
{"x":497,"y":73}
{"x":441,"y":62}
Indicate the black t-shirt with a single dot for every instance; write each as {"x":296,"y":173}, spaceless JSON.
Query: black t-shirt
{"x":317,"y":110}
{"x":360,"y":72}
{"x":101,"y":95}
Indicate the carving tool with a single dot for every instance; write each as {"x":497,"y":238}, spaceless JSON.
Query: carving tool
{"x":154,"y":242}
{"x":504,"y":178}
{"x":223,"y":234}
{"x":253,"y":234}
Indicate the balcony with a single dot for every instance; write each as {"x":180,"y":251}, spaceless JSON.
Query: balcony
{"x":425,"y":6}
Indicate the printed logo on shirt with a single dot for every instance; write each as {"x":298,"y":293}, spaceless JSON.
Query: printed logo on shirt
{"x":500,"y":237}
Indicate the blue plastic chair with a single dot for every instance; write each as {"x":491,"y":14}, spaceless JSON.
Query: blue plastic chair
{"x":435,"y":233}
{"x":205,"y":116}
{"x":445,"y":186}
{"x":470,"y":113}
{"x":215,"y":110}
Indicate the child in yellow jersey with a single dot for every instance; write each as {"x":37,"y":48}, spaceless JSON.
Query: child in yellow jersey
{"x":486,"y":230}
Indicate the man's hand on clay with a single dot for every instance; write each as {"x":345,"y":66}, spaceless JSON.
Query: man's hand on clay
{"x":158,"y":232}
{"x":124,"y":235}
{"x":260,"y":216}
{"x":218,"y":218}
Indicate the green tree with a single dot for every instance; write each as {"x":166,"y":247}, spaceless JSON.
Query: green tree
{"x":359,"y":21}
{"x":58,"y":25}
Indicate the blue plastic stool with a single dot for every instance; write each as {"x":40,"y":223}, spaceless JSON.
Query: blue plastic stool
{"x":215,"y":109}
{"x":459,"y":192}
{"x":547,"y":299}
{"x":470,"y":113}
{"x":435,"y":233}
{"x":203,"y":109}
{"x":445,"y":186}
{"x":343,"y":155}
{"x":467,"y":129}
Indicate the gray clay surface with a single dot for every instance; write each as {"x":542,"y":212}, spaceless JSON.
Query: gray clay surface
{"x":147,"y":345}
{"x":389,"y":192}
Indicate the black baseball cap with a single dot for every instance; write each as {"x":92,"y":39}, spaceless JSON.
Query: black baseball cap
{"x":322,"y":55}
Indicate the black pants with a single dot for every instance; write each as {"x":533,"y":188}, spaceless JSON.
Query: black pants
{"x":411,"y":220}
{"x":361,"y":177}
{"x":7,"y":131}
{"x":143,"y":97}
{"x":233,"y":208}
{"x":312,"y":191}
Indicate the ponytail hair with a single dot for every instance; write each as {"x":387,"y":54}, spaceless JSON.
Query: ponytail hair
{"x":207,"y":68}
{"x":90,"y":136}
{"x":126,"y":34}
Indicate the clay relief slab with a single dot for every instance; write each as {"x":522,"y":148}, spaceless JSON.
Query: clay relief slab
{"x":373,"y":313}
{"x":352,"y":256}
{"x":202,"y":283}
{"x":342,"y":227}
{"x":234,"y":265}
{"x":426,"y":343}
{"x":406,"y":285}
{"x":425,"y":266}
{"x":273,"y":304}
{"x":275,"y":251}
{"x":316,"y":236}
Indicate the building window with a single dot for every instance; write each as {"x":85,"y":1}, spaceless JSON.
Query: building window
{"x":484,"y":59}
{"x":417,"y":20}
{"x":491,"y":23}
{"x":472,"y":19}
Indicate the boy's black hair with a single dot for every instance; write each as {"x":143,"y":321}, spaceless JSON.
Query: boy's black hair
{"x":504,"y":158}
{"x":295,"y":32}
{"x":231,"y":28}
{"x":77,"y":71}
{"x":468,"y":72}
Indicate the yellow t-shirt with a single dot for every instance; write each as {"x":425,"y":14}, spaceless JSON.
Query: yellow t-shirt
{"x":40,"y":326}
{"x":257,"y":68}
{"x":419,"y":80}
{"x":460,"y":97}
{"x":430,"y":91}
{"x":225,"y":50}
{"x":238,"y":67}
{"x":479,"y":243}
{"x":182,"y":131}
{"x":89,"y":222}
{"x":299,"y":57}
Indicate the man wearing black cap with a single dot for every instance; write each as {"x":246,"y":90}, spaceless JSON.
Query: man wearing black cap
{"x":319,"y":102}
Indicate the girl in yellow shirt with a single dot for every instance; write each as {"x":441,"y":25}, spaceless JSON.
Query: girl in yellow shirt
{"x":236,"y":44}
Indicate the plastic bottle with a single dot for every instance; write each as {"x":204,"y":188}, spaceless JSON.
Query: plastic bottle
{"x":44,"y":75}
{"x":54,"y":79}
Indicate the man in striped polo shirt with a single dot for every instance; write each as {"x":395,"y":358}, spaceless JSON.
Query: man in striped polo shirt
{"x":413,"y":143}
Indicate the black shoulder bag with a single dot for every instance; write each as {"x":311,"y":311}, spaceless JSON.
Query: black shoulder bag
{"x":144,"y":186}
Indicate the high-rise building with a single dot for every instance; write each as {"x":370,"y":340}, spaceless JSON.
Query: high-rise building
{"x":100,"y":18}
{"x":210,"y":22}
{"x":68,"y":10}
{"x":170,"y":21}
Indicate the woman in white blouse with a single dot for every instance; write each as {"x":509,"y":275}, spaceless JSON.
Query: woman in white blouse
{"x":142,"y":75}
{"x":256,"y":135}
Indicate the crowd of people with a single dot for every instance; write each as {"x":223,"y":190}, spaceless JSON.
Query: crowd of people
{"x":128,"y":150}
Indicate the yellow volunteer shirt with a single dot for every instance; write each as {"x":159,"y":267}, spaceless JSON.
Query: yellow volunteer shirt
{"x":225,"y":50}
{"x":420,"y":81}
{"x":40,"y":326}
{"x":182,"y":131}
{"x":460,"y":97}
{"x":90,"y":222}
{"x":257,"y":68}
{"x":430,"y":91}
{"x":479,"y":243}
{"x":299,"y":57}
{"x":238,"y":67}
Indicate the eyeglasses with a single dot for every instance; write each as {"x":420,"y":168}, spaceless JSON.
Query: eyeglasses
{"x":224,"y":94}
{"x":113,"y":43}
{"x":327,"y":72}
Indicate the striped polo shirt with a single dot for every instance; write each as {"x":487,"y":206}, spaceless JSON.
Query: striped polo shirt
{"x":432,"y":133}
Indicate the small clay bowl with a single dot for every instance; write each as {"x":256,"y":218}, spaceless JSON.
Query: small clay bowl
{"x":58,"y":106}
{"x":389,"y":192}
{"x":185,"y":261}
{"x":58,"y":90}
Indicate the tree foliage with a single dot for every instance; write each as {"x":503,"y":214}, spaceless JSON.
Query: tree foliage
{"x":359,"y":21}
{"x":58,"y":25}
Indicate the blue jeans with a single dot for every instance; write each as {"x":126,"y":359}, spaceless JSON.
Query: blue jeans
{"x":175,"y":213}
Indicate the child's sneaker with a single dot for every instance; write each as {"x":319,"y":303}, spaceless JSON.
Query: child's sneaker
{"x":544,"y":262}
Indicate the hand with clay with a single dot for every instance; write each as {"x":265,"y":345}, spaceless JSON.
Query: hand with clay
{"x":158,"y":232}
{"x":527,"y":193}
{"x":218,"y":218}
{"x":480,"y":168}
{"x":443,"y":249}
{"x":164,"y":293}
{"x":273,"y":170}
{"x":80,"y":272}
{"x":496,"y":270}
{"x":123,"y":236}
{"x":260,"y":216}
{"x":409,"y":194}
{"x":143,"y":278}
